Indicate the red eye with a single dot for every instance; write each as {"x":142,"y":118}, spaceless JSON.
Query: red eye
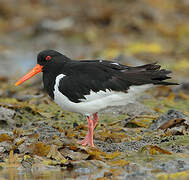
{"x":48,"y":58}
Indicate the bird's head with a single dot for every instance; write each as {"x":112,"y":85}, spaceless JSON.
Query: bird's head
{"x":44,"y":58}
{"x":47,"y":56}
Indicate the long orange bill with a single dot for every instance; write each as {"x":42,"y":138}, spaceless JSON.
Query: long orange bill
{"x":34,"y":71}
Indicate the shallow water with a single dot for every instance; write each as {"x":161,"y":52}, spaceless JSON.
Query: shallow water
{"x":12,"y":173}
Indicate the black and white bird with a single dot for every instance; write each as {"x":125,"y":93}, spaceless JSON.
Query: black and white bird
{"x":88,"y":86}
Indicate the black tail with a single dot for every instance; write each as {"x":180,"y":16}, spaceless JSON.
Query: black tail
{"x":151,"y":73}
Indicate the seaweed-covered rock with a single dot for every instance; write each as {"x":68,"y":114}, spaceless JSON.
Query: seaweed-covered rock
{"x":6,"y":116}
{"x":170,"y":115}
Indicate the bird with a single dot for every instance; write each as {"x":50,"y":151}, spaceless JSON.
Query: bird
{"x":88,"y":86}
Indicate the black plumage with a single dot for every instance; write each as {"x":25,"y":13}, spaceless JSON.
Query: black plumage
{"x":83,"y":76}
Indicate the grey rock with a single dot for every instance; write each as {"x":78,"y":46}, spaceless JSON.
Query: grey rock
{"x":27,"y":97}
{"x":46,"y":132}
{"x":6,"y":114}
{"x":171,"y":114}
{"x":173,"y":165}
{"x":23,"y":148}
{"x":5,"y":146}
{"x":2,"y":149}
{"x":132,"y":109}
{"x":121,"y":147}
{"x":10,"y":133}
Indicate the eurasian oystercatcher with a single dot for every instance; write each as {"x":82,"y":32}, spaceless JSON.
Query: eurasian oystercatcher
{"x":88,"y":86}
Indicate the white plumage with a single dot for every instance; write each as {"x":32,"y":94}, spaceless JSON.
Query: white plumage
{"x":96,"y":101}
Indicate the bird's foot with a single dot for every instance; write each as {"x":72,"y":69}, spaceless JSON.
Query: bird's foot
{"x":86,"y":141}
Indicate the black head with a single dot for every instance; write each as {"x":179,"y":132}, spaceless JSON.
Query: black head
{"x":47,"y":61}
{"x":48,"y":56}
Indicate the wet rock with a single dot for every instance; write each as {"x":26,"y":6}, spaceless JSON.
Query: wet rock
{"x":6,"y":114}
{"x":39,"y":167}
{"x":170,"y":115}
{"x":23,"y":148}
{"x":98,"y":164}
{"x":5,"y":146}
{"x":121,"y":147}
{"x":2,"y":149}
{"x":27,"y":97}
{"x":27,"y":162}
{"x":46,"y":132}
{"x":173,"y":166}
{"x":82,"y":165}
{"x":9,"y":133}
{"x":132,"y":109}
{"x":6,"y":117}
{"x":74,"y":155}
{"x":137,"y":145}
{"x":136,"y":172}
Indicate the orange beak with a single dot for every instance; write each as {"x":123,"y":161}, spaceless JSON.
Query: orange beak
{"x":34,"y":71}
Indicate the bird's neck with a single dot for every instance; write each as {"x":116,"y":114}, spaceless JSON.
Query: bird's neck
{"x":49,"y":78}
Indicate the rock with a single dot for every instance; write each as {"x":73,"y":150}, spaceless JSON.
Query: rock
{"x":121,"y":147}
{"x":23,"y":148}
{"x":27,"y":97}
{"x":6,"y":117}
{"x":170,"y":115}
{"x":173,"y":165}
{"x":5,"y":146}
{"x":74,"y":155}
{"x":9,"y":133}
{"x":46,"y":132}
{"x":132,"y":109}
{"x":2,"y":149}
{"x":6,"y":114}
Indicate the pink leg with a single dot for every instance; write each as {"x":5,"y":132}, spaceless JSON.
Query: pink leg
{"x":91,"y":125}
{"x":89,"y":137}
{"x":95,"y":119}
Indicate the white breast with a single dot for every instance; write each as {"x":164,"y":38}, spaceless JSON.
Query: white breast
{"x":96,"y":101}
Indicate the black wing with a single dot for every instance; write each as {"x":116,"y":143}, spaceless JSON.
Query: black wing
{"x":92,"y":75}
{"x":101,"y":75}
